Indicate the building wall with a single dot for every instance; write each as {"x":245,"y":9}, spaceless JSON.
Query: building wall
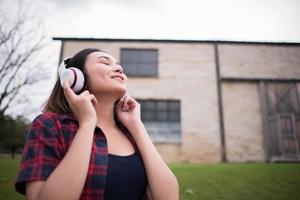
{"x":185,"y":72}
{"x":242,"y":109}
{"x":259,"y":61}
{"x":243,"y":122}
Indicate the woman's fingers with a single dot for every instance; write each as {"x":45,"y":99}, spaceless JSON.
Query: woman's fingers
{"x":93,"y":99}
{"x":128,"y":103}
{"x":83,"y":105}
{"x":69,"y":93}
{"x":131,"y":103}
{"x":85,"y":93}
{"x":87,"y":97}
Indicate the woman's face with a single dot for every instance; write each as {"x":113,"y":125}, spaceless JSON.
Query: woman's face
{"x":105,"y":74}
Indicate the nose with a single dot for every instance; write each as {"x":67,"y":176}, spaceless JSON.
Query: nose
{"x":118,"y":68}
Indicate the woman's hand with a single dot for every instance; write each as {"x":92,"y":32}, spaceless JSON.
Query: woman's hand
{"x":128,"y":111}
{"x":82,"y":105}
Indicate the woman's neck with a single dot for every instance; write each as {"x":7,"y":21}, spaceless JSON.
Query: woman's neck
{"x":105,"y":111}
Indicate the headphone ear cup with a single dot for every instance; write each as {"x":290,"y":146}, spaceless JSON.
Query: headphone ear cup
{"x":77,"y":79}
{"x":63,"y":75}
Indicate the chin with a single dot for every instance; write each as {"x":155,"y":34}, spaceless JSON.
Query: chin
{"x":120,"y":91}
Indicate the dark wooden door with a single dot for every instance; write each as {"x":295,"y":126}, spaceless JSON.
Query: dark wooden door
{"x":281,"y":116}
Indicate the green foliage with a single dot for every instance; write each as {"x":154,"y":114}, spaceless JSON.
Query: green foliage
{"x":12,"y":133}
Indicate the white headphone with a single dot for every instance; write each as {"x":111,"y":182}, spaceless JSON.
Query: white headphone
{"x":75,"y":75}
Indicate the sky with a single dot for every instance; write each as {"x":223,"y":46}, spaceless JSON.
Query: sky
{"x":250,"y":20}
{"x":233,"y":20}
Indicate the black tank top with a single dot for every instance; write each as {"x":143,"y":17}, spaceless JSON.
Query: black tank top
{"x":126,"y":177}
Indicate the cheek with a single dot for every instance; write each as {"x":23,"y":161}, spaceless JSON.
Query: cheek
{"x":98,"y":81}
{"x":97,"y":77}
{"x":98,"y":72}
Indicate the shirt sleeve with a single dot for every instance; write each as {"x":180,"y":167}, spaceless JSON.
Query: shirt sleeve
{"x":41,"y":153}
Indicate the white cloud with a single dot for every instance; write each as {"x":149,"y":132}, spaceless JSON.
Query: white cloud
{"x":229,"y":20}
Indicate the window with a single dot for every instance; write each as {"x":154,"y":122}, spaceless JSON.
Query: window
{"x":160,"y":110}
{"x":161,"y":119}
{"x":139,"y":62}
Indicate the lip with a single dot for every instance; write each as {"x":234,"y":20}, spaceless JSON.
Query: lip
{"x":118,"y":76}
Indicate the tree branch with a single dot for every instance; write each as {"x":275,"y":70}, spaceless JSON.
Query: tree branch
{"x":19,"y":46}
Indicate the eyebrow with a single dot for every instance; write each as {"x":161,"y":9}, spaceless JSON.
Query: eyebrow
{"x":117,"y":62}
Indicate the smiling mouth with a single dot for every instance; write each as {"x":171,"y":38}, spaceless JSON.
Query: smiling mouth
{"x":118,"y":78}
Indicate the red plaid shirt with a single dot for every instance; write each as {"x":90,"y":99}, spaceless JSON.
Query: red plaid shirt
{"x":49,"y":138}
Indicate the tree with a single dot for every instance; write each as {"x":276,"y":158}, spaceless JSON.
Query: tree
{"x":21,"y":41}
{"x":21,"y":67}
{"x":13,"y":134}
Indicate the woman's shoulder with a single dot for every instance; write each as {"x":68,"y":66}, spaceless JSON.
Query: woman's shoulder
{"x":47,"y":115}
{"x":54,"y":116}
{"x":50,"y":124}
{"x":53,"y":120}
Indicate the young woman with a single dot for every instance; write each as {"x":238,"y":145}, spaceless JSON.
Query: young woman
{"x":92,"y":144}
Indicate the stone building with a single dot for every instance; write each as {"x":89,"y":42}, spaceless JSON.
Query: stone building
{"x":212,"y":101}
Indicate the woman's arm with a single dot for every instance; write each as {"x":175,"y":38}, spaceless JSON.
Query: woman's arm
{"x":68,"y":178}
{"x":162,"y":182}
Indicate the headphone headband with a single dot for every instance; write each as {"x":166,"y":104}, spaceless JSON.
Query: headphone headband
{"x":67,"y":60}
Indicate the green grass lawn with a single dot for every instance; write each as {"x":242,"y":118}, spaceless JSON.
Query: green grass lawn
{"x":253,"y":181}
{"x":8,"y":171}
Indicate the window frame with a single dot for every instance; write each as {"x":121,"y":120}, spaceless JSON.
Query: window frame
{"x":156,"y":110}
{"x":155,"y":75}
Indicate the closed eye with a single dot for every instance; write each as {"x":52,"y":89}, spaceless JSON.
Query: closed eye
{"x":104,"y":61}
